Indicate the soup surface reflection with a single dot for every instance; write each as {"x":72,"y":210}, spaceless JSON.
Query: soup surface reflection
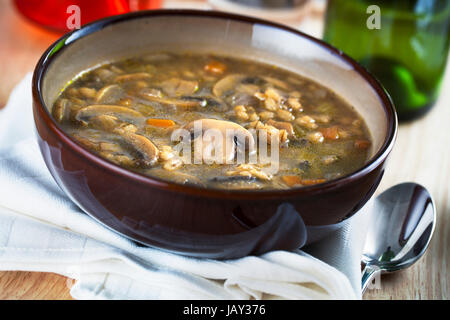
{"x":153,"y":114}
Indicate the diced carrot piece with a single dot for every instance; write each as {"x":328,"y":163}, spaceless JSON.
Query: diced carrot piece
{"x":362,"y":144}
{"x":215,"y":67}
{"x":162,"y":123}
{"x":331,"y":133}
{"x":296,"y":180}
{"x":291,"y":180}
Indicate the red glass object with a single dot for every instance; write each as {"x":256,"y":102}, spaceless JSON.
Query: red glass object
{"x":58,"y":14}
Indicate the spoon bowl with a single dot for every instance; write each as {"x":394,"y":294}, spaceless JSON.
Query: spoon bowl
{"x":400,"y":232}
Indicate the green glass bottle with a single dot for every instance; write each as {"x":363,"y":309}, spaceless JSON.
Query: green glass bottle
{"x":406,"y":48}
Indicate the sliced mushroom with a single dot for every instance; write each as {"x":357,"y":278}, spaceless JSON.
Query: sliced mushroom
{"x":151,"y":93}
{"x":227,"y":84}
{"x":247,"y":88}
{"x":109,"y":150}
{"x":72,"y":92}
{"x":120,"y":159}
{"x":215,"y":104}
{"x":233,"y":178}
{"x":77,"y":101}
{"x":104,"y":74}
{"x":241,"y":83}
{"x":255,"y":80}
{"x":104,"y":122}
{"x":109,"y":94}
{"x":133,"y":77}
{"x":88,"y":143}
{"x":86,"y":92}
{"x":116,"y":69}
{"x":184,"y":102}
{"x":238,"y":89}
{"x":179,"y":87}
{"x":61,"y":109}
{"x":189,"y":101}
{"x":237,"y":182}
{"x":242,"y":98}
{"x":125,"y":128}
{"x":111,"y":147}
{"x":233,"y":135}
{"x":277,"y":83}
{"x":143,"y":146}
{"x":120,"y":112}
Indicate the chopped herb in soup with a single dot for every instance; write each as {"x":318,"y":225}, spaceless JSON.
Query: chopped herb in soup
{"x":138,"y":112}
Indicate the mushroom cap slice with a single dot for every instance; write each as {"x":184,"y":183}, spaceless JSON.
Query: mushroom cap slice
{"x":239,"y":83}
{"x":61,"y":109}
{"x":179,"y":87}
{"x":237,"y":182}
{"x":120,"y":112}
{"x":185,"y":102}
{"x":104,"y":122}
{"x":226,"y":84}
{"x":109,"y":94}
{"x":143,"y":146}
{"x":232,"y":135}
{"x":133,"y":77}
{"x":277,"y":82}
{"x":215,"y":104}
{"x":239,"y":89}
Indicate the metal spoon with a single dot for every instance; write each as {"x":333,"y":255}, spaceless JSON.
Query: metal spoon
{"x":400,"y":231}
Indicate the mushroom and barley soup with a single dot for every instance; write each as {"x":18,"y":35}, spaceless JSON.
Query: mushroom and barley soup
{"x":127,"y":112}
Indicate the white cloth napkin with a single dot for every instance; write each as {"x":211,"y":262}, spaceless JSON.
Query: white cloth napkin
{"x":42,"y":230}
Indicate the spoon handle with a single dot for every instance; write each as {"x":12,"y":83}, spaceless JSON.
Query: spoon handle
{"x":368,"y":274}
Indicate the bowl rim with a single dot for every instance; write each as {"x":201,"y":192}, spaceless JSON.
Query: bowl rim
{"x":64,"y":41}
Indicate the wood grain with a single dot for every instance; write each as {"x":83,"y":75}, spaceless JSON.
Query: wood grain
{"x":421,"y":154}
{"x":15,"y":285}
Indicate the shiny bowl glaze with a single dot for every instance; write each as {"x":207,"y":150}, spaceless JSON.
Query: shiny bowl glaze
{"x":187,"y":219}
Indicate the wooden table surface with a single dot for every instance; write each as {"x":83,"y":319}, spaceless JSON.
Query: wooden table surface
{"x":421,"y":154}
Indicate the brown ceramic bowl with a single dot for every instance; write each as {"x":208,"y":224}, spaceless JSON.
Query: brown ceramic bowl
{"x":191,"y":220}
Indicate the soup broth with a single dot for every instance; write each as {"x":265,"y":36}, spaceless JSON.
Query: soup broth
{"x":128,"y":111}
